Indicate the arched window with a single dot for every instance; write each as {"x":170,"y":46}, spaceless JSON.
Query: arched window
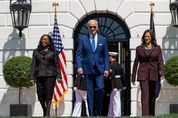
{"x":109,"y":26}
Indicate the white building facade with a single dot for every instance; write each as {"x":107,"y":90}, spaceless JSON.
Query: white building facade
{"x":121,"y":21}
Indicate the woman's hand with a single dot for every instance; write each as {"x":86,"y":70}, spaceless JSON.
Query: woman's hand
{"x":32,"y":81}
{"x":133,"y":83}
{"x":162,"y":77}
{"x":59,"y":80}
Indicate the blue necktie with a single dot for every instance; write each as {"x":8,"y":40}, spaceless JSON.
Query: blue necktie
{"x":93,"y":43}
{"x":93,"y":47}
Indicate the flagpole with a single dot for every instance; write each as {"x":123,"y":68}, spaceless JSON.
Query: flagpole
{"x":55,"y":13}
{"x":158,"y":85}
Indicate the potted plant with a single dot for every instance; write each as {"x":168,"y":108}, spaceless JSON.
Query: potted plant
{"x":16,"y":74}
{"x":171,"y":76}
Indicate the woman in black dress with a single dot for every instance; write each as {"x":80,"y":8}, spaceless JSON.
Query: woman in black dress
{"x":45,"y":68}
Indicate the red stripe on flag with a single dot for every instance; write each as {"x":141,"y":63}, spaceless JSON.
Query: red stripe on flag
{"x":54,"y":95}
{"x":62,"y":70}
{"x":58,"y":90}
{"x":63,"y":56}
{"x":64,"y":75}
{"x":62,"y":84}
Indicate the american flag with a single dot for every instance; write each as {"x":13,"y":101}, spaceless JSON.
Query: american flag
{"x":60,"y":88}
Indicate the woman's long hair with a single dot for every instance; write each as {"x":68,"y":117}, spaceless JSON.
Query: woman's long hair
{"x":51,"y":45}
{"x":153,"y":38}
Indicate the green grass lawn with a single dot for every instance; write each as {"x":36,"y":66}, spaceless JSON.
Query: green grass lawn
{"x":161,"y":116}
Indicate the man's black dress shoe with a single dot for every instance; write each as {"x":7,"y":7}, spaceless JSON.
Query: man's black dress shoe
{"x":98,"y":114}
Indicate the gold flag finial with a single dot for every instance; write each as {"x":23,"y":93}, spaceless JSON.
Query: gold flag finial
{"x":152,"y":5}
{"x":55,"y":6}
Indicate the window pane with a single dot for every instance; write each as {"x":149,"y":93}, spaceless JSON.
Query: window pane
{"x":107,"y":27}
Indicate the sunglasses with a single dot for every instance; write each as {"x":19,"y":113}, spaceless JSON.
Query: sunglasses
{"x":93,"y":27}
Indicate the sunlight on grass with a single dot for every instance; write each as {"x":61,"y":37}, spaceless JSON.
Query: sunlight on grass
{"x":161,"y":116}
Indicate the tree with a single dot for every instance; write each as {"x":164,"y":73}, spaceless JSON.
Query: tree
{"x":171,"y":70}
{"x":16,"y":72}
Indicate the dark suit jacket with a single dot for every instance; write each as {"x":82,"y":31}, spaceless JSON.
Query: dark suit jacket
{"x":80,"y":82}
{"x":148,"y":64}
{"x":100,"y":56}
{"x":45,"y":65}
{"x":116,"y":74}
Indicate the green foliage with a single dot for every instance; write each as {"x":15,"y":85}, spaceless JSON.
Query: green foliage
{"x":16,"y":71}
{"x":171,"y":70}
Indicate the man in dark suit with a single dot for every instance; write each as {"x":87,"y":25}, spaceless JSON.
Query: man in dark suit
{"x":94,"y":65}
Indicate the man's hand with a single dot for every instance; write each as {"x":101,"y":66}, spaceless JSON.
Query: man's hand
{"x":122,"y":88}
{"x":32,"y":81}
{"x":80,"y":71}
{"x":106,"y":73}
{"x":59,"y":80}
{"x":162,"y":77}
{"x":75,"y":88}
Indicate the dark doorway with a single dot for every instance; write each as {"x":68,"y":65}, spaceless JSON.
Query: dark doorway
{"x":117,"y":34}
